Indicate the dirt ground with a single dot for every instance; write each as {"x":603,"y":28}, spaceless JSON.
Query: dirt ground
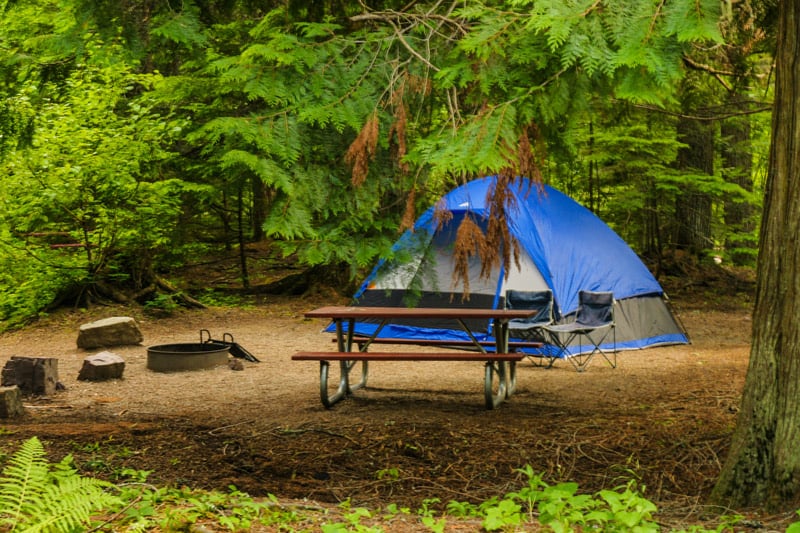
{"x":664,"y":416}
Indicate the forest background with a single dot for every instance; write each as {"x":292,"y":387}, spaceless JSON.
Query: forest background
{"x":139,"y":136}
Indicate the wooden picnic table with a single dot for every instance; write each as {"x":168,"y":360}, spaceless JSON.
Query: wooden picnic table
{"x":499,"y":364}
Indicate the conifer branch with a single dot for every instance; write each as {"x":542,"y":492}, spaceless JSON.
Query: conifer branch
{"x":391,"y":17}
{"x":718,"y":74}
{"x":654,"y":20}
{"x":591,"y":8}
{"x":705,"y":68}
{"x":763,"y":108}
{"x":410,"y":48}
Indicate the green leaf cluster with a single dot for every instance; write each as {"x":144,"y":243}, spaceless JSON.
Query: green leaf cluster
{"x":38,"y":496}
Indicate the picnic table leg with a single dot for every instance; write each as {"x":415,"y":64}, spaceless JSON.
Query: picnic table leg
{"x":494,"y":386}
{"x":329,"y":399}
{"x":344,"y":368}
{"x":344,"y":388}
{"x":345,"y":344}
{"x":511,"y":377}
{"x":501,"y":337}
{"x":364,"y":371}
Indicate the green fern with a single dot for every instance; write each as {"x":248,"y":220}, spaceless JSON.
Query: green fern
{"x":38,"y":496}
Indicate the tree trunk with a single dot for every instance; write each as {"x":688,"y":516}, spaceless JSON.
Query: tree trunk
{"x":763,"y":465}
{"x":259,"y":208}
{"x":651,"y":246}
{"x":693,"y":210}
{"x":738,"y":165}
{"x":241,"y":238}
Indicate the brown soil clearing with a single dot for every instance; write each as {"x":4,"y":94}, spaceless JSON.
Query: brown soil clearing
{"x":664,"y":416}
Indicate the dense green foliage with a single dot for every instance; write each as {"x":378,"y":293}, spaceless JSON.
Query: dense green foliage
{"x":38,"y":496}
{"x":136,"y":136}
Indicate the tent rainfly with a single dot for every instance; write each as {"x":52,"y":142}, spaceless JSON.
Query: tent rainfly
{"x":563,"y":247}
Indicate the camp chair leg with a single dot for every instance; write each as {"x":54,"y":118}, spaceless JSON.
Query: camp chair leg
{"x":561,"y":342}
{"x":609,"y":361}
{"x":614,"y":350}
{"x":494,"y":387}
{"x":581,"y":361}
{"x":542,"y":361}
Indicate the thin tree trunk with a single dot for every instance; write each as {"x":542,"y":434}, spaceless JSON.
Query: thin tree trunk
{"x":693,"y":209}
{"x":241,"y":239}
{"x":593,"y":174}
{"x":652,"y":237}
{"x":763,"y":465}
{"x":738,"y":165}
{"x":259,"y":208}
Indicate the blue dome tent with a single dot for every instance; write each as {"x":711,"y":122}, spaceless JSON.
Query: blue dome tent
{"x":563,"y":247}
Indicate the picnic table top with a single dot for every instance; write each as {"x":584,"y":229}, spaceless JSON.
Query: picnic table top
{"x":342,"y":312}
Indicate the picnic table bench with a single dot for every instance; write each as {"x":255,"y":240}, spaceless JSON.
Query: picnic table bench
{"x":362,"y":340}
{"x":499,"y":365}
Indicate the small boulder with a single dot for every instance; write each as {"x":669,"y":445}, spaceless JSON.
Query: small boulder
{"x":102,"y":366}
{"x":113,"y":331}
{"x":11,"y":402}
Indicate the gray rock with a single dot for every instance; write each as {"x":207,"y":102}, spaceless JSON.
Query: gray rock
{"x":102,"y":366}
{"x":113,"y":331}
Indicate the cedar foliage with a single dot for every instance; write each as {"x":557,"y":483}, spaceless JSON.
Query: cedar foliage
{"x":323,"y":129}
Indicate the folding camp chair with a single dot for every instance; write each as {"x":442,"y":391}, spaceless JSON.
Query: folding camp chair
{"x":593,"y":322}
{"x":531,"y":328}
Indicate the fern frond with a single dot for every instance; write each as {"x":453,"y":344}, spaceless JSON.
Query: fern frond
{"x":40,"y":499}
{"x":23,"y":480}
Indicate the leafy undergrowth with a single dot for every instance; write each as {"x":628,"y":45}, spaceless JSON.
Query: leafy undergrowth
{"x":38,"y":496}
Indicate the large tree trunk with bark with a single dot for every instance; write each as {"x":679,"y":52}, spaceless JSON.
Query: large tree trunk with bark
{"x":763,"y":465}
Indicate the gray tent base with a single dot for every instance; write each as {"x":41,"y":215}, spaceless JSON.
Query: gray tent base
{"x":643,"y":318}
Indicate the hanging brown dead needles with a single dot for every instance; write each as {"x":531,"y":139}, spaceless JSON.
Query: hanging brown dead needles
{"x":441,"y":215}
{"x":470,"y":241}
{"x":397,"y":132}
{"x":409,"y":215}
{"x":496,"y":246}
{"x":362,"y":150}
{"x":501,"y":245}
{"x":526,"y":157}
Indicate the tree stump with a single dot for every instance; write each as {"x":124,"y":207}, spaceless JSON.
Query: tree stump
{"x":33,"y":375}
{"x":11,"y":402}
